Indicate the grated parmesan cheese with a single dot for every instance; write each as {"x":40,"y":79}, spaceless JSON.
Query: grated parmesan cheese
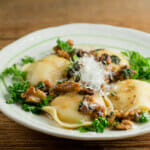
{"x":93,"y":73}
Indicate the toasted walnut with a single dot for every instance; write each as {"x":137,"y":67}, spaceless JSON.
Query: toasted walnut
{"x":122,"y":120}
{"x":63,"y":54}
{"x":105,"y":59}
{"x":124,"y":125}
{"x":33,"y":95}
{"x":70,"y":42}
{"x":111,"y":119}
{"x":123,"y":73}
{"x":70,"y":86}
{"x":47,"y":83}
{"x":89,"y":106}
{"x":132,"y":115}
{"x":67,"y":87}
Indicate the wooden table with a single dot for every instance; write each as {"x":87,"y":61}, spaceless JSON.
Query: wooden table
{"x":19,"y":17}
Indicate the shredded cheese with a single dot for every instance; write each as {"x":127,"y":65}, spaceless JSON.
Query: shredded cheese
{"x":93,"y":74}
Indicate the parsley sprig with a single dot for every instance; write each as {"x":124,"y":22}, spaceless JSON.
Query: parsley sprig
{"x":27,"y":59}
{"x":20,"y":85}
{"x":65,"y":46}
{"x":14,"y":72}
{"x":36,"y":108}
{"x":140,"y":64}
{"x":15,"y":91}
{"x":98,"y":125}
{"x":144,"y":117}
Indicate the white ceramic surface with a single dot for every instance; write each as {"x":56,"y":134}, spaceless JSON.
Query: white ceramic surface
{"x":40,"y":43}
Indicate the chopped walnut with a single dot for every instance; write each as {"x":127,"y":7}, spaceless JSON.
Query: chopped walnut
{"x":123,"y":73}
{"x":70,"y":42}
{"x":122,"y":120}
{"x":63,"y":54}
{"x":47,"y":83}
{"x":105,"y":58}
{"x":132,"y":115}
{"x":124,"y":125}
{"x":89,"y":106}
{"x":70,"y":86}
{"x":33,"y":95}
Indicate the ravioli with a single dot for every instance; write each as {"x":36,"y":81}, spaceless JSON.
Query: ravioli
{"x":130,"y":95}
{"x":123,"y":60}
{"x":49,"y":68}
{"x":64,"y":110}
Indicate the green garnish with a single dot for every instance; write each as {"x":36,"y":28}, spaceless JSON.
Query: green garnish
{"x":98,"y":125}
{"x":20,"y":86}
{"x":14,"y":72}
{"x":144,"y":117}
{"x":32,"y":108}
{"x":111,"y":113}
{"x":36,"y":108}
{"x":75,"y":58}
{"x":46,"y":101}
{"x":83,"y":129}
{"x":64,"y":46}
{"x":140,"y":64}
{"x":40,"y":85}
{"x":27,"y":59}
{"x":59,"y":82}
{"x":127,"y":73}
{"x":15,"y":91}
{"x":115,"y":59}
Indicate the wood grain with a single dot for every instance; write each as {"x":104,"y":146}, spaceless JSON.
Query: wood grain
{"x":19,"y":17}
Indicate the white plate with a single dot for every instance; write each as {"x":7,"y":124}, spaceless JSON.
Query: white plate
{"x":40,"y":43}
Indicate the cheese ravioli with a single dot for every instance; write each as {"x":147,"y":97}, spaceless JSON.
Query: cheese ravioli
{"x":64,"y":110}
{"x":49,"y":68}
{"x":130,"y":95}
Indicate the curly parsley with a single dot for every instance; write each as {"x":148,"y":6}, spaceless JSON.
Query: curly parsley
{"x":140,"y":64}
{"x":64,"y":46}
{"x":27,"y":59}
{"x":98,"y":125}
{"x":14,"y":72}
{"x":144,"y":117}
{"x":20,"y":85}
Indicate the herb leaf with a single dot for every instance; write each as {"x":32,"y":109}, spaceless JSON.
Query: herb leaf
{"x":127,"y":73}
{"x":40,"y":85}
{"x":140,"y":64}
{"x":75,"y":58}
{"x":27,"y":59}
{"x":98,"y":125}
{"x":144,"y":117}
{"x":115,"y":59}
{"x":32,"y":108}
{"x":65,"y":46}
{"x":15,"y":72}
{"x":15,"y":91}
{"x":46,"y":101}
